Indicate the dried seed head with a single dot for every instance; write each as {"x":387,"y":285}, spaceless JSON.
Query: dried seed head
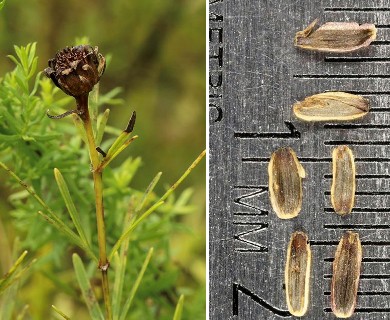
{"x":76,"y":70}
{"x":336,"y":36}
{"x":342,"y":193}
{"x":346,"y":274}
{"x":331,"y":106}
{"x":297,"y":274}
{"x":285,"y":183}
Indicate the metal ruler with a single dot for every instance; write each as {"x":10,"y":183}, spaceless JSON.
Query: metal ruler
{"x":256,"y":75}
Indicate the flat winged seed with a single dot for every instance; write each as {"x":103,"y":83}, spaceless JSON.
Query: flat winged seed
{"x":285,"y":183}
{"x":331,"y":106}
{"x":342,"y":193}
{"x":336,"y":36}
{"x":297,"y":274}
{"x":346,"y":274}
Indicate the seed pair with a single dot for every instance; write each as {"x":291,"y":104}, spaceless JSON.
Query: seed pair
{"x":345,"y":280}
{"x":285,"y":182}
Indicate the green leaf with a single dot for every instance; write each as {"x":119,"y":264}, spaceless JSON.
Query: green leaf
{"x":120,"y":265}
{"x":22,"y":314}
{"x":179,"y":308}
{"x":102,"y":126}
{"x":132,"y":226}
{"x":108,"y":98}
{"x":70,"y":205}
{"x":118,"y":143}
{"x":8,"y":278}
{"x":148,"y":191}
{"x":2,"y":3}
{"x":13,"y":275}
{"x":136,"y":285}
{"x":111,"y":155}
{"x":119,"y":262}
{"x":52,"y":217}
{"x":9,"y":138}
{"x":86,"y":289}
{"x":63,"y":315}
{"x":185,"y":174}
{"x":80,"y":127}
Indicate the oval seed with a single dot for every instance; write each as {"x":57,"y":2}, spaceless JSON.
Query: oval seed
{"x":346,"y":274}
{"x":342,"y":193}
{"x":336,"y":37}
{"x":297,"y":274}
{"x":331,"y":106}
{"x":285,"y":183}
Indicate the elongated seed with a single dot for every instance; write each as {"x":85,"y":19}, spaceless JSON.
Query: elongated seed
{"x":336,"y":36}
{"x":285,"y":183}
{"x":331,"y":106}
{"x":342,"y":193}
{"x":297,"y":274}
{"x":346,"y":274}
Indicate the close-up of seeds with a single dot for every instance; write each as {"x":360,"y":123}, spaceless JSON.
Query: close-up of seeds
{"x":285,"y":183}
{"x":297,"y":274}
{"x":346,"y":274}
{"x":331,"y":106}
{"x":336,"y":36}
{"x":343,"y":184}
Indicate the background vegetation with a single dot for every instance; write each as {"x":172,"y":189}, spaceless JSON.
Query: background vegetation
{"x":158,"y":59}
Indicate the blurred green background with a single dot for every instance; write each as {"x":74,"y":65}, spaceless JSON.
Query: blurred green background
{"x":158,"y":53}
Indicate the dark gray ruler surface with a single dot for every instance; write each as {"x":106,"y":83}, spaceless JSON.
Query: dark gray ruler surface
{"x":255,"y":76}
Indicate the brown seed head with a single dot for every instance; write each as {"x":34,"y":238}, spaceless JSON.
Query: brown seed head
{"x":76,"y":70}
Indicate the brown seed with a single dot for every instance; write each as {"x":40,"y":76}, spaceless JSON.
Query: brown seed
{"x":346,"y":274}
{"x":331,"y":106}
{"x":336,"y":36}
{"x":297,"y":274}
{"x":342,"y":193}
{"x":285,"y":183}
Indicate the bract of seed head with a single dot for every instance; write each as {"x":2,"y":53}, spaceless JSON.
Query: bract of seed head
{"x":76,"y":70}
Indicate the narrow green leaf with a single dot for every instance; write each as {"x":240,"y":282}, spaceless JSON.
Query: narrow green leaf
{"x":102,"y":126}
{"x":148,"y":191}
{"x":132,"y":226}
{"x":111,"y":156}
{"x":52,"y":217}
{"x":108,"y":98}
{"x":73,"y":237}
{"x":31,"y":54}
{"x":70,"y":205}
{"x":86,"y":289}
{"x":9,"y":138}
{"x":136,"y":284}
{"x":80,"y":127}
{"x":2,"y":3}
{"x":22,"y":313}
{"x":120,"y":264}
{"x":185,"y":174}
{"x":118,"y":143}
{"x":119,"y":271}
{"x":6,"y":280}
{"x":93,"y":107}
{"x":63,"y":315}
{"x":7,"y":303}
{"x":179,"y":308}
{"x":14,"y":123}
{"x":14,"y":60}
{"x":47,"y":137}
{"x":15,"y":277}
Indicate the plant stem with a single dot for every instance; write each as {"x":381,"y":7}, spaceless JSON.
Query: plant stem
{"x":98,"y":186}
